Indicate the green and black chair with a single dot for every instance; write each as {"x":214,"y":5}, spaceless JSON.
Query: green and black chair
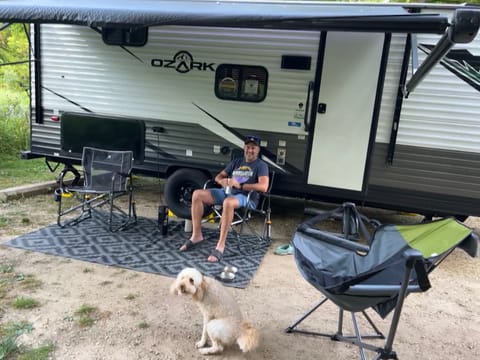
{"x":367,"y":265}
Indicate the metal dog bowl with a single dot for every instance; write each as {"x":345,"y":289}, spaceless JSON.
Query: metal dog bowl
{"x":226,"y":276}
{"x":230,"y":269}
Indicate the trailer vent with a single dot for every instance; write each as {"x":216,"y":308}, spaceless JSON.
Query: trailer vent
{"x":125,"y":36}
{"x":296,"y":62}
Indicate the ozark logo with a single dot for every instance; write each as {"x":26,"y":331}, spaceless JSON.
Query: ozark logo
{"x":460,"y":62}
{"x":183,"y":62}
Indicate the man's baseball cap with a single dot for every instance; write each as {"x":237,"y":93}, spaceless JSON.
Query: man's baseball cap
{"x":252,"y":139}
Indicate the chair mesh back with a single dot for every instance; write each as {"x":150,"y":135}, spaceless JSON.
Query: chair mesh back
{"x":100,"y":167}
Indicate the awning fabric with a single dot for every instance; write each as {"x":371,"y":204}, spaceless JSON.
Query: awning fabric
{"x":139,"y":13}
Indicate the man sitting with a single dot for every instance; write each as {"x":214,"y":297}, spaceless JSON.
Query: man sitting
{"x":239,"y":177}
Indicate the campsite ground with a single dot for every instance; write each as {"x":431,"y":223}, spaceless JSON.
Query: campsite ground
{"x":137,"y":318}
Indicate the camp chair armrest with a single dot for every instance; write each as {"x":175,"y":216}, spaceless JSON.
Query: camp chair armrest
{"x":121,"y":174}
{"x":210,"y":183}
{"x":413,"y":258}
{"x":115,"y":175}
{"x":332,"y":239}
{"x":249,"y":195}
{"x":376,"y":290}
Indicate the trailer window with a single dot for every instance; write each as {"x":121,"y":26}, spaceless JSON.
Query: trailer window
{"x":241,"y":82}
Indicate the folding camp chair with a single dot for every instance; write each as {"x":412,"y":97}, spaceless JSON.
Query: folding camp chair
{"x":242,"y":218}
{"x":107,"y":175}
{"x":394,"y":262}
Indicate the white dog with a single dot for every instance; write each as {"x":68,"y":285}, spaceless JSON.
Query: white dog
{"x":222,"y":320}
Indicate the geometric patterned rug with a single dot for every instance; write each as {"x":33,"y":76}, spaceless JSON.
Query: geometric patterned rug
{"x":143,"y":248}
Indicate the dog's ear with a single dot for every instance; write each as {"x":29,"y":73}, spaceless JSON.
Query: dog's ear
{"x":201,"y":290}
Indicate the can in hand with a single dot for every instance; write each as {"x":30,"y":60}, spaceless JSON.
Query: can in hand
{"x":228,"y":188}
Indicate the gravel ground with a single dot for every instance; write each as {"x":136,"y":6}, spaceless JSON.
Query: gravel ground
{"x":137,"y":318}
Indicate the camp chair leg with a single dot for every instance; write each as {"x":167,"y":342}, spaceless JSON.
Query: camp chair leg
{"x":84,"y":209}
{"x":131,"y":215}
{"x":356,"y":339}
{"x":292,"y":327}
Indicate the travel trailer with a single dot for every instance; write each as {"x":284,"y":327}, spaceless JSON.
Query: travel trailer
{"x":375,"y":104}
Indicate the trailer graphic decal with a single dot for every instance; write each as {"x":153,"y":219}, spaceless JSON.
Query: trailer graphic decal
{"x":183,"y":62}
{"x":462,"y":63}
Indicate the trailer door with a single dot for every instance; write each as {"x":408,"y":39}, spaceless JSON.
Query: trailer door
{"x":343,"y":122}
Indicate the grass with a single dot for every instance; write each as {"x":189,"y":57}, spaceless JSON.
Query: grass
{"x":143,"y":325}
{"x":15,"y":171}
{"x":10,"y":331}
{"x":25,"y":303}
{"x":30,"y":282}
{"x":86,"y":315}
{"x":39,"y":353}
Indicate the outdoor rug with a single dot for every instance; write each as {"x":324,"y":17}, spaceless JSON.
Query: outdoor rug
{"x":143,"y":248}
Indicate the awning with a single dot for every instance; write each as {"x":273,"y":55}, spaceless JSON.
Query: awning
{"x":140,"y":13}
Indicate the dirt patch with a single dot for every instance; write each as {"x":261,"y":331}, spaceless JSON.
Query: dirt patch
{"x":137,"y":318}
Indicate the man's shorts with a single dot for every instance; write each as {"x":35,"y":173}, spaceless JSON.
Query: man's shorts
{"x":219,"y":195}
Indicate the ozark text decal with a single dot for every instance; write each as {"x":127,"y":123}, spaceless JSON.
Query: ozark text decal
{"x":183,"y":63}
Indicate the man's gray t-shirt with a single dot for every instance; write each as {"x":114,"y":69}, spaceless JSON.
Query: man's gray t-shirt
{"x":246,"y":173}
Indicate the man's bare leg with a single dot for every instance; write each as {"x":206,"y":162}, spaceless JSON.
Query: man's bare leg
{"x":200,"y":198}
{"x":229,"y":206}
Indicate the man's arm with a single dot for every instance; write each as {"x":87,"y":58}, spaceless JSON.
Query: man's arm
{"x":261,"y":185}
{"x":222,"y":178}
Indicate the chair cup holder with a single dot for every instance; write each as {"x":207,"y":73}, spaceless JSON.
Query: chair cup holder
{"x":57,"y":195}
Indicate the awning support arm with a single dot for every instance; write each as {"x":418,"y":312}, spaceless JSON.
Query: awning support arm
{"x":463,"y":29}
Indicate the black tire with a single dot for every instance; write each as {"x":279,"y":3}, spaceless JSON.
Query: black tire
{"x":179,"y":188}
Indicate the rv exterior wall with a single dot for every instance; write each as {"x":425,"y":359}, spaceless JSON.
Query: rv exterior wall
{"x":437,"y":146}
{"x":109,"y":80}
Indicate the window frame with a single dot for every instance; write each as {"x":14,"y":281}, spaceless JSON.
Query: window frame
{"x":247,"y":74}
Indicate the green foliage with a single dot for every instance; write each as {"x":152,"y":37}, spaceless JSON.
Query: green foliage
{"x":86,"y":315}
{"x":14,"y":69}
{"x":30,"y":282}
{"x":24,"y":303}
{"x":143,"y":325}
{"x":14,"y":131}
{"x":8,"y":337}
{"x":39,"y":353}
{"x":15,"y":171}
{"x":14,"y":87}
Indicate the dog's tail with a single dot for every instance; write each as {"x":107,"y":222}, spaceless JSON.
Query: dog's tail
{"x":249,"y":337}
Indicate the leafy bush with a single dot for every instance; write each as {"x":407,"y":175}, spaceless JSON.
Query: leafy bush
{"x":14,"y":124}
{"x":14,"y":86}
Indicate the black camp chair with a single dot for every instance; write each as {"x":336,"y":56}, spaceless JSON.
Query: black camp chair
{"x":243,"y":216}
{"x":107,"y":175}
{"x":394,"y":262}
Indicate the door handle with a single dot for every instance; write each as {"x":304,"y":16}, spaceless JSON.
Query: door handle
{"x":307,"y":107}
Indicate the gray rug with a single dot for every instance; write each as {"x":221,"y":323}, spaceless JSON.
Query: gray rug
{"x":143,"y":248}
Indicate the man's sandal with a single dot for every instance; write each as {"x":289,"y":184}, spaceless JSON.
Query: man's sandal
{"x":189,"y":244}
{"x":216,"y":254}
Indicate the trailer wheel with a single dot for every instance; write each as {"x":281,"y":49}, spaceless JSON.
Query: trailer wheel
{"x":179,"y":188}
